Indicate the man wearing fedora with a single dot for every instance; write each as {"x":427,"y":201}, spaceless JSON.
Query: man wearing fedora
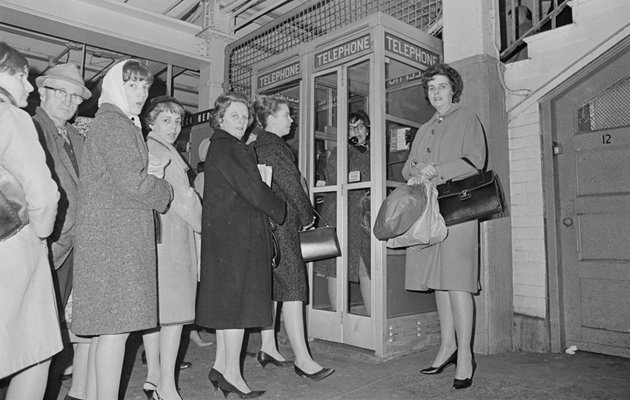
{"x":61,"y":90}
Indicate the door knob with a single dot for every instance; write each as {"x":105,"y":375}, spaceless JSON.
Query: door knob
{"x":567,"y":221}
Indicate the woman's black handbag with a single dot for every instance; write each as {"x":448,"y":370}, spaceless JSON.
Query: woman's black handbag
{"x":13,"y":210}
{"x":319,"y":243}
{"x":477,"y":197}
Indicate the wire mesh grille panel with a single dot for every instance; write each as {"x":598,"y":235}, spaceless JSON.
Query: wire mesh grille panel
{"x":610,"y":109}
{"x":311,"y":21}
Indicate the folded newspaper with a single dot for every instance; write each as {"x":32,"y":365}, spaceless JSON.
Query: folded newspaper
{"x":265,"y":173}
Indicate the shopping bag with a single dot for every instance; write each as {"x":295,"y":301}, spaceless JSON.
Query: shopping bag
{"x":400,"y":209}
{"x":429,"y":229}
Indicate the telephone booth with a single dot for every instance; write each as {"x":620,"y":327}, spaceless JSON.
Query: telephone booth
{"x":372,"y":66}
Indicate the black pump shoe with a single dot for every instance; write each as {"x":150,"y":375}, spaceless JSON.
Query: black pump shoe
{"x":464,"y":383}
{"x":264,"y":359}
{"x":149,"y":389}
{"x":215,"y":377}
{"x":227,"y":388}
{"x":316,"y":376}
{"x":438,"y":370}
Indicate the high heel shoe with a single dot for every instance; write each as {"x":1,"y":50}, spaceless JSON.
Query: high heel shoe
{"x":438,"y":370}
{"x":264,"y":359}
{"x":227,"y":388}
{"x":215,"y":377}
{"x":464,"y":383}
{"x":316,"y":376}
{"x":149,"y":389}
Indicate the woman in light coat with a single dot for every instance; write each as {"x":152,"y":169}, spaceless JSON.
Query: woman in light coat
{"x":177,"y":253}
{"x":451,"y":267}
{"x":29,"y":327}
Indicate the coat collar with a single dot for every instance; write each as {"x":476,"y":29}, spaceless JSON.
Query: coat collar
{"x":175,"y":157}
{"x":452,"y":110}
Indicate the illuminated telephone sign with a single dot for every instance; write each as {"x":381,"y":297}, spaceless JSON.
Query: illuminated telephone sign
{"x":344,"y":50}
{"x":410,"y":51}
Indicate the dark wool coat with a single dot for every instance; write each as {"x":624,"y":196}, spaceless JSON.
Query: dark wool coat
{"x":115,"y":262}
{"x":289,"y":278}
{"x":358,"y":215}
{"x":61,"y":166}
{"x":235,"y":286}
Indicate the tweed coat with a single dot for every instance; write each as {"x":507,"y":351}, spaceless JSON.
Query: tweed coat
{"x":29,"y":328}
{"x":235,"y":285}
{"x":358,"y":236}
{"x":453,"y":263}
{"x":61,"y":241}
{"x":177,"y":251}
{"x":290,"y":282}
{"x":115,"y":261}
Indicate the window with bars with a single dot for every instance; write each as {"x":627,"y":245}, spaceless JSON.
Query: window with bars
{"x":311,"y":21}
{"x":610,"y":109}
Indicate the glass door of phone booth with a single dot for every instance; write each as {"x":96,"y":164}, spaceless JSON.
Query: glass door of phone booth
{"x":354,"y":123}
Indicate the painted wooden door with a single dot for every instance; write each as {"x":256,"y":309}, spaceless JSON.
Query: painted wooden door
{"x":592,"y":157}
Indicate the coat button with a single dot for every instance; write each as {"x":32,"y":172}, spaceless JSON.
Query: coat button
{"x":428,"y":149}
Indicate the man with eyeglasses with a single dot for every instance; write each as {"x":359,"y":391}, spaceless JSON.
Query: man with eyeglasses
{"x":61,"y":90}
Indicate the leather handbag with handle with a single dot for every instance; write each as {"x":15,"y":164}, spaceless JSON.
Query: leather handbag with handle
{"x":13,"y":210}
{"x":319,"y":243}
{"x":477,"y":197}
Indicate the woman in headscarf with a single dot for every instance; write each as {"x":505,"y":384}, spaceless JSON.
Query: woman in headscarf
{"x":115,"y":266}
{"x":29,"y":328}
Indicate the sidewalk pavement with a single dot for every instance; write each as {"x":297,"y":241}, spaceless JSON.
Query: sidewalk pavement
{"x":358,"y":376}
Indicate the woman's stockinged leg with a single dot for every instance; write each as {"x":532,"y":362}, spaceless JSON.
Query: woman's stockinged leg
{"x":268,"y":337}
{"x":294,"y":323}
{"x":448,"y":342}
{"x":219,"y":358}
{"x":78,"y":389}
{"x":462,"y":305}
{"x":151,"y":341}
{"x":30,"y":383}
{"x":91,"y":378}
{"x":170,"y":337}
{"x":233,"y":344}
{"x":110,"y":353}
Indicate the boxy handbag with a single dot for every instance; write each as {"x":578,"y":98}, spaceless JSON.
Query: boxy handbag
{"x":319,"y":243}
{"x":13,"y":210}
{"x":477,"y":197}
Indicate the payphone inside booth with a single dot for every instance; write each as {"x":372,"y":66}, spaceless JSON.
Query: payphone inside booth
{"x":357,"y":98}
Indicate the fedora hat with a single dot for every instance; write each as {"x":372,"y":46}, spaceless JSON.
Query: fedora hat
{"x":65,"y":72}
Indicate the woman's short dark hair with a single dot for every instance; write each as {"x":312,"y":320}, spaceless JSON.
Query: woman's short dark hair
{"x":160,"y":104}
{"x":133,"y":70}
{"x":223,"y":102}
{"x":359,"y":115}
{"x":11,"y":60}
{"x":264,"y":106}
{"x":457,"y":84}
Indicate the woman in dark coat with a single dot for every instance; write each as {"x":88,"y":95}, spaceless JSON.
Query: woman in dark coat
{"x":290,"y":284}
{"x":359,"y":225}
{"x":115,"y":264}
{"x":236,"y":250}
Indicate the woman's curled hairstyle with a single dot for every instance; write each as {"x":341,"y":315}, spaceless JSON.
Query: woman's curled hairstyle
{"x":13,"y":62}
{"x":160,"y":104}
{"x":223,"y":102}
{"x":457,"y":84}
{"x":264,"y":106}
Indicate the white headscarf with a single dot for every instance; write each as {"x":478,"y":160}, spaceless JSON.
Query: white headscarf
{"x":114,"y":91}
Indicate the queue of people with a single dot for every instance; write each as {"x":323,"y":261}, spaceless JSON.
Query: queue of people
{"x":115,"y":218}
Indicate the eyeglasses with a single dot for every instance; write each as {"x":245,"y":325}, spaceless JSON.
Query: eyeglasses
{"x":357,"y":127}
{"x":61,"y":94}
